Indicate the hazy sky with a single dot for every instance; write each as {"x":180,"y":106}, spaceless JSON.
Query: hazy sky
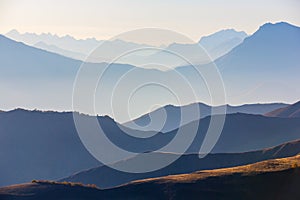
{"x":105,"y":19}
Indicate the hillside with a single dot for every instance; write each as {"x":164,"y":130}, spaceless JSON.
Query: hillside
{"x":106,"y":177}
{"x":288,"y":111}
{"x":272,"y":179}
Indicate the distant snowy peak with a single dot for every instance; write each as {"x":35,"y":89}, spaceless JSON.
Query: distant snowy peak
{"x":222,"y":42}
{"x":223,"y":35}
{"x":216,"y":45}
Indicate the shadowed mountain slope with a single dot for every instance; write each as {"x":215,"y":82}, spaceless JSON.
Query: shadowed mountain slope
{"x":288,"y":111}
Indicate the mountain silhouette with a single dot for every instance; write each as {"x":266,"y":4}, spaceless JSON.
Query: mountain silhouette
{"x":288,"y":111}
{"x":254,"y":68}
{"x":206,"y":50}
{"x":67,"y":42}
{"x":173,"y":119}
{"x":216,"y":45}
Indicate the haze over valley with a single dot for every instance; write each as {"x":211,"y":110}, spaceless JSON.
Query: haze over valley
{"x":149,"y":100}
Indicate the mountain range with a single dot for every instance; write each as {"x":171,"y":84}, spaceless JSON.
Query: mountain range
{"x":245,"y":71}
{"x":208,"y":49}
{"x":66,"y":42}
{"x":288,"y":111}
{"x":150,"y":113}
{"x":216,"y":45}
{"x":173,"y":113}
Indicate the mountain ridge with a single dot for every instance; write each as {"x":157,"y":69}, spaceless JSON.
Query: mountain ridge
{"x":288,"y":111}
{"x":217,"y":44}
{"x":173,"y":113}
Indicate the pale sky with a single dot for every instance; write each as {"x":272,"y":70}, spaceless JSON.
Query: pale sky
{"x":105,"y":19}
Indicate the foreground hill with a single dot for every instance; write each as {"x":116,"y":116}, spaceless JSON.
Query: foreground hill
{"x":105,"y":177}
{"x":272,"y":179}
{"x":288,"y":111}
